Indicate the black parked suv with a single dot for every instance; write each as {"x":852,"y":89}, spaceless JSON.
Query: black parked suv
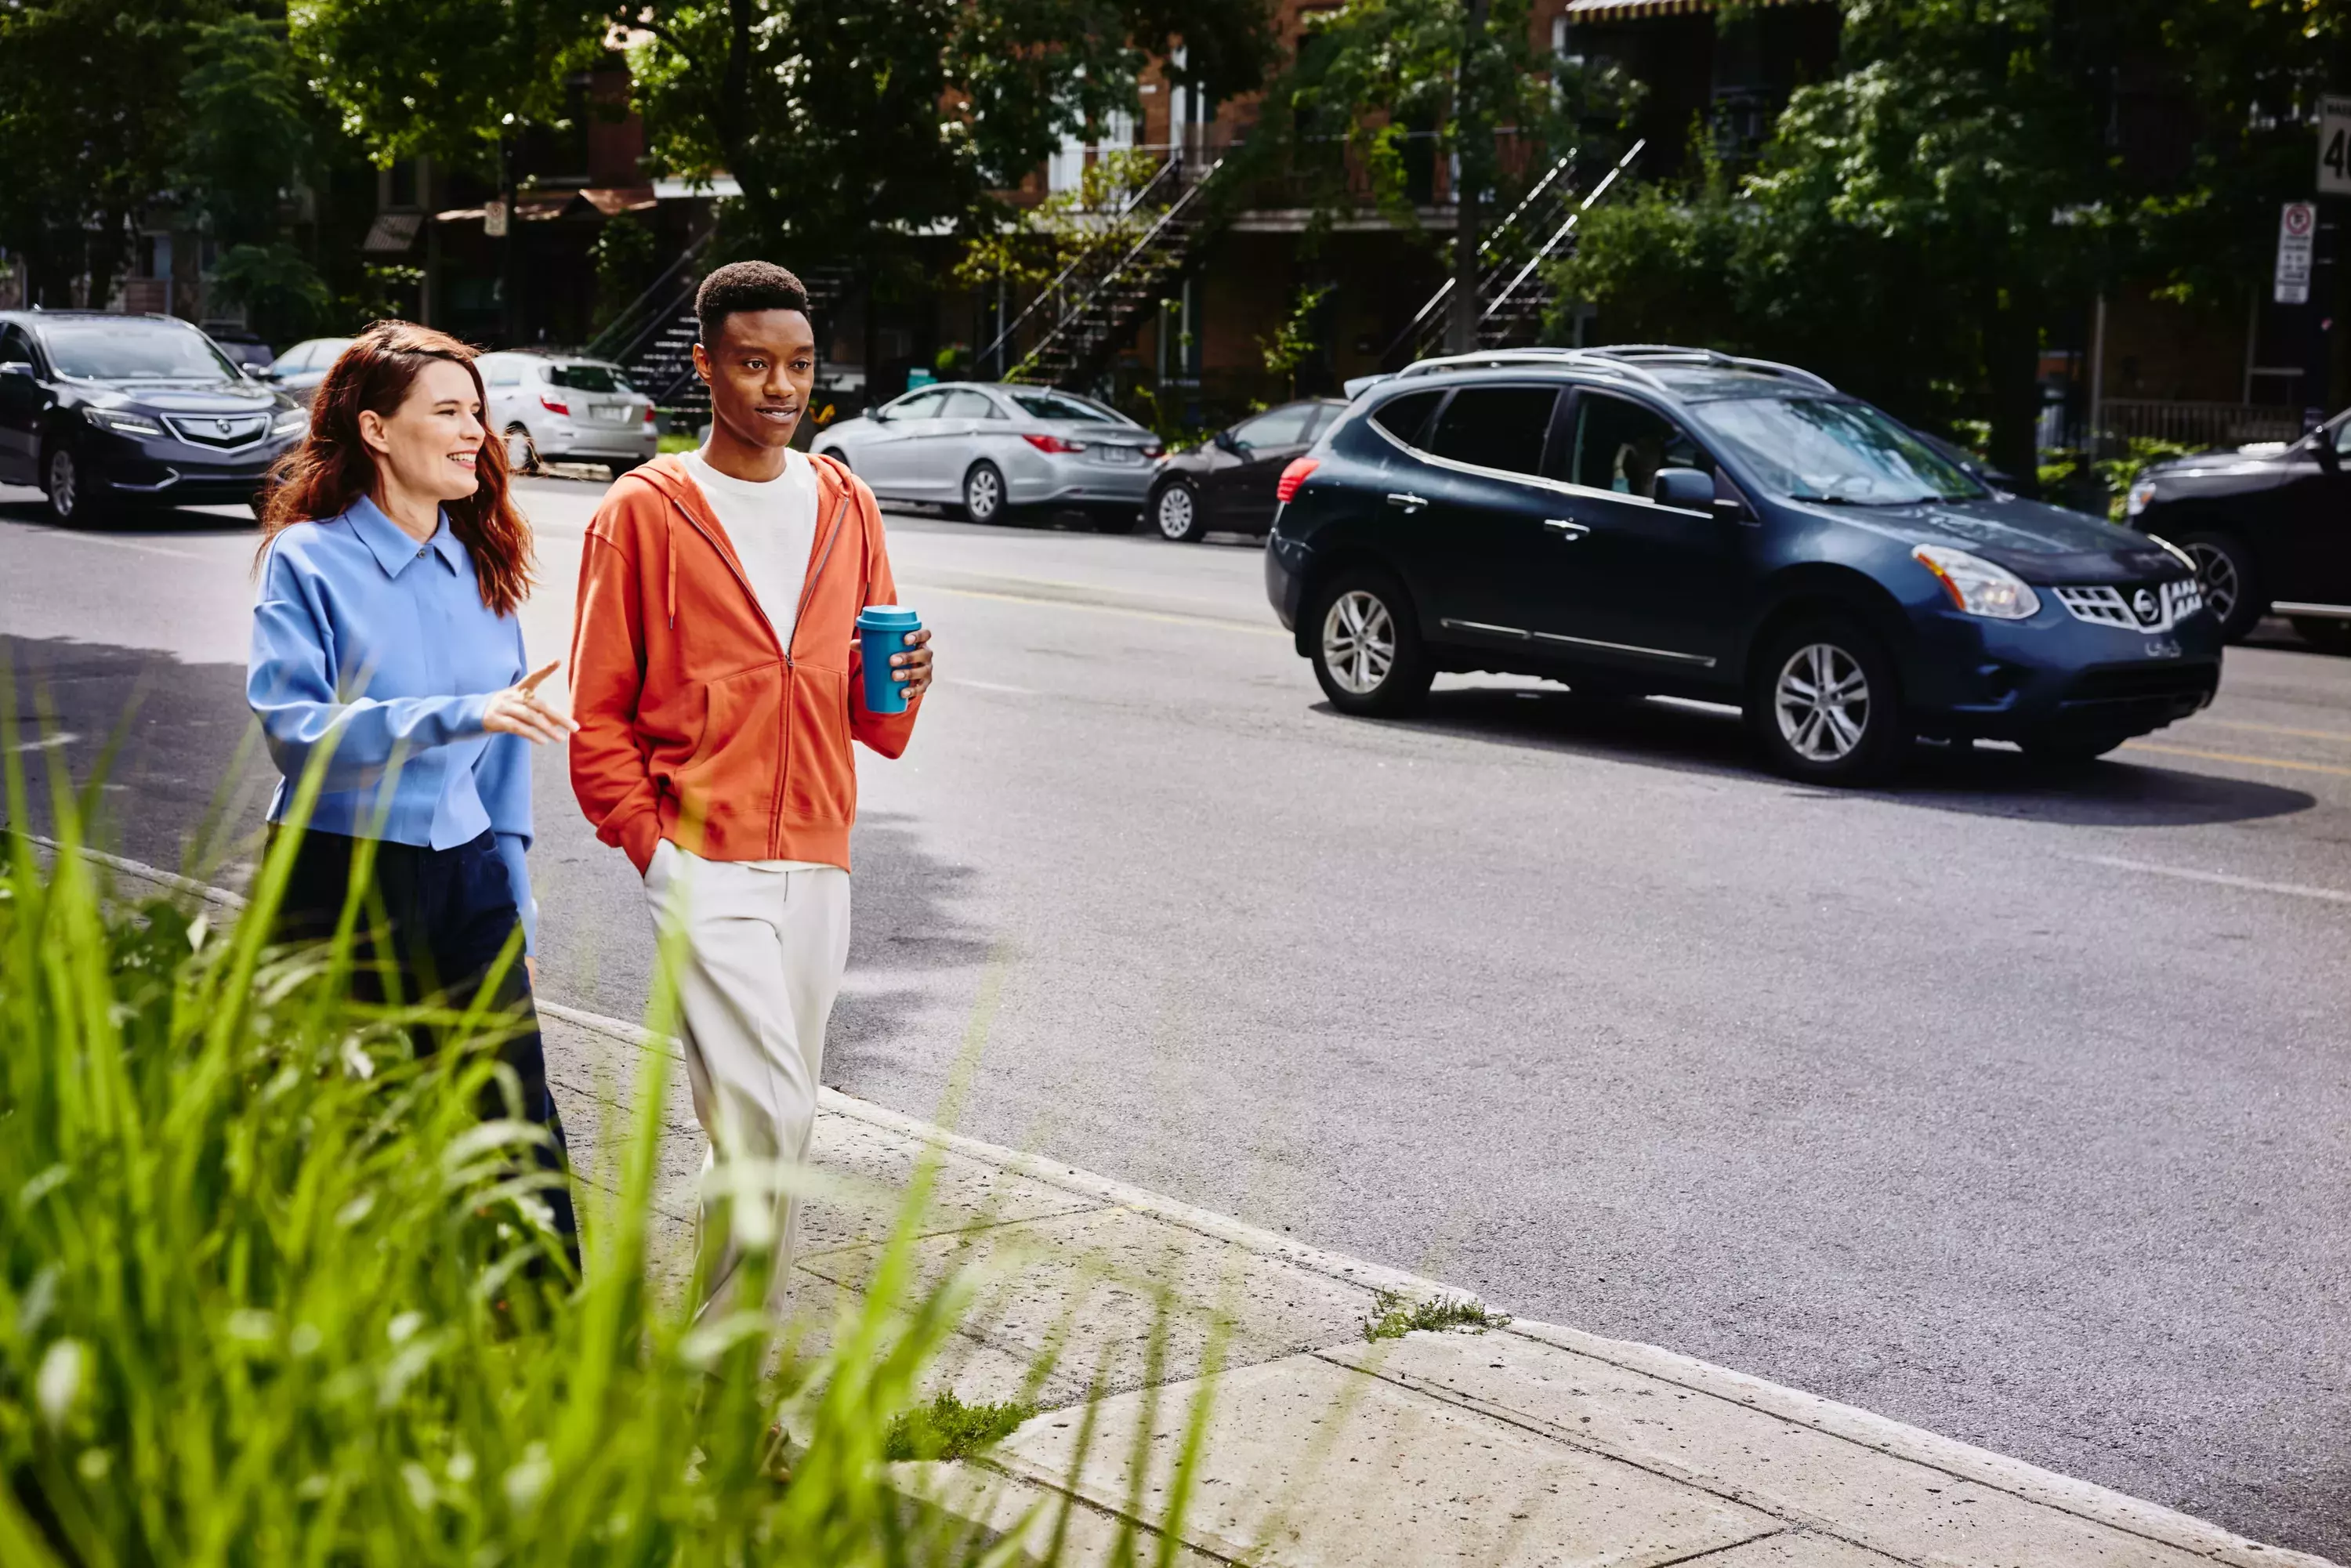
{"x":2268,"y":527}
{"x":103,"y":411}
{"x":1670,"y":521}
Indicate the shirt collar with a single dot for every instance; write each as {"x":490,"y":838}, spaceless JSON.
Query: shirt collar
{"x":392,"y":548}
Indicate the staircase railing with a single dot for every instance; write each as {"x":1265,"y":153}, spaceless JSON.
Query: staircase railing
{"x":1565,"y":229}
{"x":1170,"y":170}
{"x":1177,"y":212}
{"x":1498,"y":297}
{"x":1445,"y":290}
{"x":635,"y":327}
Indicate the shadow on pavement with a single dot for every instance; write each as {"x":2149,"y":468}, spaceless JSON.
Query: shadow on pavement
{"x":1991,"y":781}
{"x":904,"y":928}
{"x":180,"y":726}
{"x":137,"y":521}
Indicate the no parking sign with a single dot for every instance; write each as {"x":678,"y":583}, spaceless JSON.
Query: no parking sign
{"x":2297,"y":226}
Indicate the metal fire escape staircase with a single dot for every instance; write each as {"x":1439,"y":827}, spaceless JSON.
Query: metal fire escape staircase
{"x":1100,"y":299}
{"x":653,"y":339}
{"x":1513,"y":290}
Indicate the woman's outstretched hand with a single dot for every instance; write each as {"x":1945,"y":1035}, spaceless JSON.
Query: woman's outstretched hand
{"x":518,"y":711}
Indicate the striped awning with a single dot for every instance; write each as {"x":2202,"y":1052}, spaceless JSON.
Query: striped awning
{"x":1588,"y":11}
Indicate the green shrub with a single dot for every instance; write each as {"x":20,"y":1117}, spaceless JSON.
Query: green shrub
{"x":271,"y":1292}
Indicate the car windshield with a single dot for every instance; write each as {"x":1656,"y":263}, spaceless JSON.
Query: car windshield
{"x":1833,"y":450}
{"x":133,"y":351}
{"x":1058,"y":405}
{"x":589,"y":378}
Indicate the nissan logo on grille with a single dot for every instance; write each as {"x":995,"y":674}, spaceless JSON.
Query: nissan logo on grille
{"x":2144,"y":605}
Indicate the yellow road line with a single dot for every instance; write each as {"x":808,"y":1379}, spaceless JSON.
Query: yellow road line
{"x":2274,"y":728}
{"x":1172,"y":618}
{"x":2237,"y":757}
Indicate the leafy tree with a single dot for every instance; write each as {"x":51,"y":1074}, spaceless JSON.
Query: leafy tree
{"x":86,"y":137}
{"x":248,"y":138}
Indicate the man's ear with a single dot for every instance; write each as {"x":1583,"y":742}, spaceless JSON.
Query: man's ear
{"x":702,"y":364}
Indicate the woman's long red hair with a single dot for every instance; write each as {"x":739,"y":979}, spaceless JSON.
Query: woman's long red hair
{"x":333,"y":467}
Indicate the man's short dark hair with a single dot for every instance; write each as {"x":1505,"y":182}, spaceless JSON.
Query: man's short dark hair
{"x":745,"y":286}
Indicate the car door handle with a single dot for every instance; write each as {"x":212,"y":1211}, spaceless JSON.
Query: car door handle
{"x":1408,"y":500}
{"x":1566,"y":530}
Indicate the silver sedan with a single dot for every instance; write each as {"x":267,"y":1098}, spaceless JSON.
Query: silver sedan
{"x":985,"y":448}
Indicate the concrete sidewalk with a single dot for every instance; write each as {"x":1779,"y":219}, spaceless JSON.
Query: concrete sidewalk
{"x":1529,"y":1444}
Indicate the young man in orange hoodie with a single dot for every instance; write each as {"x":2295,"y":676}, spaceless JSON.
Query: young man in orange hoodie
{"x":717,"y":685}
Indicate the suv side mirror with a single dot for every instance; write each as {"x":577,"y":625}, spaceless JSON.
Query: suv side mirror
{"x":1226,"y":441}
{"x":1691,"y":489}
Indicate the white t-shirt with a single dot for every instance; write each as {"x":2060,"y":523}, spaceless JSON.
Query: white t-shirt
{"x":772,"y":526}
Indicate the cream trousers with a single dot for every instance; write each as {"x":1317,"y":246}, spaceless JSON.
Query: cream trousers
{"x":759,"y":965}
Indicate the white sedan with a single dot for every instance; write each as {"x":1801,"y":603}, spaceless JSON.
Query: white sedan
{"x":986,"y":448}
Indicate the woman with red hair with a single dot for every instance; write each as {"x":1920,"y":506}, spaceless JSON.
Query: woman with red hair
{"x":387,"y":655}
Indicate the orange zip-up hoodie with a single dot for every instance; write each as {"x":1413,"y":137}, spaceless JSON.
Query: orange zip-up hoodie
{"x":696,"y":724}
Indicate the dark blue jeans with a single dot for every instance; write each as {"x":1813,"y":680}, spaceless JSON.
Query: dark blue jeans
{"x":446,"y":915}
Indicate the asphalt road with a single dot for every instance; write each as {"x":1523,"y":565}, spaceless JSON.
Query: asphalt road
{"x":2007,"y":1103}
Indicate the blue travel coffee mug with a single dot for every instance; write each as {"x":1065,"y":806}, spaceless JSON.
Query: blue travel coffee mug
{"x":880,"y":632}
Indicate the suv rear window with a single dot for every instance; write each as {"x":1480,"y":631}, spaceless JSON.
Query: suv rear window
{"x":1405,"y":417}
{"x":588,"y":378}
{"x":1496,"y":427}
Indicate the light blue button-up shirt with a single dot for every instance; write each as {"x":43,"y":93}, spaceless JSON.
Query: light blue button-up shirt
{"x":365,"y":637}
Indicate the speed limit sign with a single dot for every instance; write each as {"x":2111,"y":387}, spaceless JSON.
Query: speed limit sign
{"x":2334,"y":146}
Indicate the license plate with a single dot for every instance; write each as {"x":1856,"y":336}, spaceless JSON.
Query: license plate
{"x":616,"y":411}
{"x":1117,"y":454}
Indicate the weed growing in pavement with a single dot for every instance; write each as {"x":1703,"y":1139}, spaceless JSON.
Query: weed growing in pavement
{"x":947,"y":1428}
{"x":1395,"y":1315}
{"x":272,"y":1291}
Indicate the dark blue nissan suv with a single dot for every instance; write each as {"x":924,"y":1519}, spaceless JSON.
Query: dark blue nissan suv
{"x":1651,"y":521}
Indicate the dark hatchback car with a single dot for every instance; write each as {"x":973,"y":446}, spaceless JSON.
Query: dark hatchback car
{"x":2268,"y":527}
{"x":1228,"y":481}
{"x":104,"y":411}
{"x":1668,"y":522}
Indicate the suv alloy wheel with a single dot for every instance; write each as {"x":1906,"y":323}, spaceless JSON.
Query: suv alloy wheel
{"x":2231,"y":588}
{"x":1366,"y":649}
{"x":1823,"y":703}
{"x":66,"y":485}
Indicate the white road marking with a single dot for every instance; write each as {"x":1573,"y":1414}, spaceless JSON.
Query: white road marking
{"x":2218,"y":878}
{"x":63,"y":737}
{"x":990,"y":687}
{"x":121,"y":544}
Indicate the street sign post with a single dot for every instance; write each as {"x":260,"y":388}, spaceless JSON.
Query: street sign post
{"x":2334,"y":146}
{"x":2297,"y":228}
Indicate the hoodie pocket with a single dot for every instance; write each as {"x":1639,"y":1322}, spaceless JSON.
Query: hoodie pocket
{"x":821,"y":787}
{"x":723,"y":787}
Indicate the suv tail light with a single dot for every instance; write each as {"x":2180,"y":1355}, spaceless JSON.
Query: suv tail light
{"x":1293,"y":476}
{"x":1054,"y":444}
{"x":649,"y":414}
{"x":552,"y":406}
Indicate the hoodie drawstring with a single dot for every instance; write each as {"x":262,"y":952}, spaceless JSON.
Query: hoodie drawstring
{"x":669,"y":537}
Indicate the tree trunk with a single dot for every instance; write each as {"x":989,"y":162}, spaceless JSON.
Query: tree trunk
{"x":2011,"y":353}
{"x":1471,"y":138}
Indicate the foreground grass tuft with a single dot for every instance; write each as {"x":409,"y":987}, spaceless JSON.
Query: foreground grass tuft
{"x":947,"y":1428}
{"x":1395,"y":1315}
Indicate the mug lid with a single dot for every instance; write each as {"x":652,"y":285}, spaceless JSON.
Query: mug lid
{"x":888,"y":618}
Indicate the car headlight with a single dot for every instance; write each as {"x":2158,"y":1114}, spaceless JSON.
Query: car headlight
{"x":1977,"y":586}
{"x":122,"y":423}
{"x":2142,"y":491}
{"x":293,"y":422}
